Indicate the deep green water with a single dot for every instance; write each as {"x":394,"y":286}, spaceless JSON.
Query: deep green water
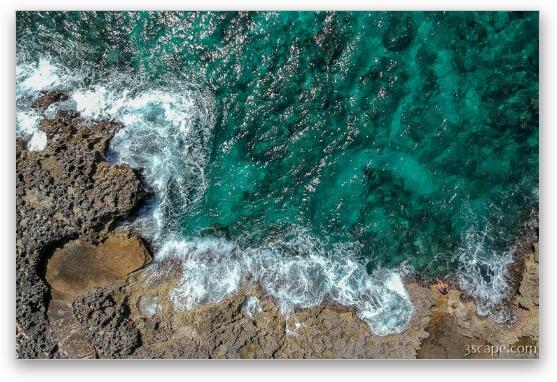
{"x":408,"y":133}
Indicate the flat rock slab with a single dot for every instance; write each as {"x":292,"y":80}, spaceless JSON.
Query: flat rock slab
{"x":80,"y":266}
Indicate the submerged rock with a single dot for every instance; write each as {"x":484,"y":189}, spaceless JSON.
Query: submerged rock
{"x":48,"y":98}
{"x":399,"y":34}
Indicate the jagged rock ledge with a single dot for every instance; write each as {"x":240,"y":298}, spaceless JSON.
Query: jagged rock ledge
{"x":66,"y":191}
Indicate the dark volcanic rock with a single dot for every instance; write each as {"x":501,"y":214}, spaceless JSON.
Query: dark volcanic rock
{"x":48,"y":98}
{"x":104,"y":316}
{"x":65,"y":191}
{"x":33,"y":337}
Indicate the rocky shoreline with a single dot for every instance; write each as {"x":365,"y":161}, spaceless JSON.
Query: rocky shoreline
{"x":83,"y":291}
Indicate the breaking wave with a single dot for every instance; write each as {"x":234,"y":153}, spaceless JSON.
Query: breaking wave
{"x":296,"y":271}
{"x":32,"y":79}
{"x":483,"y":273}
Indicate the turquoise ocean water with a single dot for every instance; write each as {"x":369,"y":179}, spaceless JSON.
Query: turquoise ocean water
{"x":315,"y":153}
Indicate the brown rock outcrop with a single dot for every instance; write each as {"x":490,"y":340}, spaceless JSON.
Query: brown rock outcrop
{"x":79,"y":266}
{"x":63,"y":192}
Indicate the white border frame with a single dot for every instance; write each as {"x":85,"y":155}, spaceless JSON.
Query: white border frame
{"x":43,"y":371}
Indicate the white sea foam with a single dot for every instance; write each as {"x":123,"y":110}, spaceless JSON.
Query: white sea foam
{"x":297,"y":272}
{"x":168,"y":133}
{"x":251,"y":307}
{"x":211,"y":270}
{"x":38,"y":141}
{"x":31,"y":80}
{"x":42,"y":76}
{"x":483,"y":274}
{"x":292,"y":329}
{"x":27,"y":126}
{"x":27,"y":121}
